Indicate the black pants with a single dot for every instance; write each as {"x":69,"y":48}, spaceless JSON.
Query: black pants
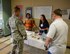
{"x":43,"y":31}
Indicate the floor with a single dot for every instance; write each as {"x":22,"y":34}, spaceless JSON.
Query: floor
{"x":5,"y":47}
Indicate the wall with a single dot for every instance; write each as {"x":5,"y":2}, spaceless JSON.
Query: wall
{"x":63,"y":4}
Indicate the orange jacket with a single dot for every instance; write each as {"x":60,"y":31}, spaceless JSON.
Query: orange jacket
{"x":29,"y":23}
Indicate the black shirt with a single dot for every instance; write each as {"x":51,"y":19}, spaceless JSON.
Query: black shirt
{"x":44,"y":24}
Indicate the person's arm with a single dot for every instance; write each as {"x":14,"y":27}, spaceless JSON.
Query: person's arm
{"x":46,"y":25}
{"x":47,"y":42}
{"x":44,"y":29}
{"x":33,"y":21}
{"x":50,"y":35}
{"x":21,"y":28}
{"x":24,"y":22}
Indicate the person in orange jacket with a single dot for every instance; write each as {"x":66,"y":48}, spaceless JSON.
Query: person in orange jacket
{"x":29,"y":22}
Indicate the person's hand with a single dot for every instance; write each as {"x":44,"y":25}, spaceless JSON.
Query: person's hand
{"x":48,"y":41}
{"x":42,"y":29}
{"x":46,"y":48}
{"x":45,"y":45}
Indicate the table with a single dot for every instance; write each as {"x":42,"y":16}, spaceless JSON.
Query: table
{"x":38,"y":43}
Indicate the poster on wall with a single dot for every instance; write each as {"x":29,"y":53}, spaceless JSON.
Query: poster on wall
{"x":21,"y":11}
{"x":28,"y":10}
{"x":66,"y":14}
{"x":39,"y":10}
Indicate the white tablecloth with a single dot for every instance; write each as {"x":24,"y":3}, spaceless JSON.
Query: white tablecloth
{"x":38,"y":43}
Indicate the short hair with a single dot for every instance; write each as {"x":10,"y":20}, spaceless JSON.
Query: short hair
{"x":16,"y":9}
{"x":29,"y":15}
{"x":58,"y":12}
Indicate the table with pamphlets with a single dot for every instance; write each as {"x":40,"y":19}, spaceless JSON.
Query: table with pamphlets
{"x":35,"y":40}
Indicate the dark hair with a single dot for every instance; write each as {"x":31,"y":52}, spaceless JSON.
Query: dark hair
{"x":43,"y":17}
{"x":16,"y":9}
{"x":45,"y":21}
{"x":58,"y":12}
{"x":29,"y":15}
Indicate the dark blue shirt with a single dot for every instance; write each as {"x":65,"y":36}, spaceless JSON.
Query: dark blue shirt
{"x":44,"y":24}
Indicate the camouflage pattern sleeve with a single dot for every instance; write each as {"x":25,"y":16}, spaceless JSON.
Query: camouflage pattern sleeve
{"x":21,"y":28}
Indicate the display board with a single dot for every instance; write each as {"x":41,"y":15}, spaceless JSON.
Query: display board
{"x":28,"y":10}
{"x":66,"y":15}
{"x":68,"y":10}
{"x":39,"y":10}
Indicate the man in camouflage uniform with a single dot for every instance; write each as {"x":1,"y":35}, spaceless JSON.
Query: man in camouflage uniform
{"x":17,"y":32}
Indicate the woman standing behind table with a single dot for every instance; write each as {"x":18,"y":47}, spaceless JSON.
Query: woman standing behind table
{"x":29,"y":22}
{"x":43,"y":25}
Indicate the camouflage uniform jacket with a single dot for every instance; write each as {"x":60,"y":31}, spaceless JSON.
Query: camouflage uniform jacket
{"x":17,"y":28}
